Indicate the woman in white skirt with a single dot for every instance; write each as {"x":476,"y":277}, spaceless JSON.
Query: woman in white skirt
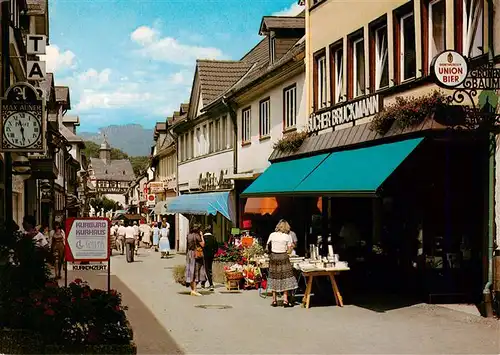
{"x":281,"y":277}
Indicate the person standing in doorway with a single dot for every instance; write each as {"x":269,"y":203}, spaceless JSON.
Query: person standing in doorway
{"x":209,"y":252}
{"x":58,"y":239}
{"x":129,"y":242}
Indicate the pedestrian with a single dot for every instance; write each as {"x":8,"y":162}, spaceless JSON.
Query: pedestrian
{"x":121,"y":238}
{"x":146,"y":231}
{"x":58,"y":239}
{"x":294,"y":241}
{"x":195,"y":268}
{"x":129,"y":242}
{"x":40,"y":241}
{"x":281,"y":277}
{"x":156,"y":236}
{"x":137,"y":236}
{"x":164,"y":243}
{"x":209,"y":252}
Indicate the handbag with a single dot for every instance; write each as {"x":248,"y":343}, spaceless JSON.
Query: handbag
{"x":198,"y":252}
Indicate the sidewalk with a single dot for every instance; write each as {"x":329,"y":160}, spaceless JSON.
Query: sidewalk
{"x":149,"y":335}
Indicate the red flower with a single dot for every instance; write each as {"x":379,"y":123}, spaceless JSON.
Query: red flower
{"x":53,"y":300}
{"x":113,"y":292}
{"x":86,"y":294}
{"x":117,"y":308}
{"x":78,"y":281}
{"x":73,"y":299}
{"x":38,"y":304}
{"x":49,"y":312}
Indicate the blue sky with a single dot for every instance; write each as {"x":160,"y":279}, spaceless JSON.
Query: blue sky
{"x":132,"y":61}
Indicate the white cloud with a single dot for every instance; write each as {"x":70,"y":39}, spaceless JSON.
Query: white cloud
{"x":57,"y":60}
{"x":169,"y":49}
{"x":119,"y":98}
{"x":93,"y":76}
{"x":293,"y":10}
{"x":181,"y":77}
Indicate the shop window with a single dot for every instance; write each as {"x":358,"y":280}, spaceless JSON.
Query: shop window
{"x":246,"y":122}
{"x":336,"y":72}
{"x":379,"y":65}
{"x":358,"y":67}
{"x":469,"y":24}
{"x":406,"y":63}
{"x":290,"y":107}
{"x":265,"y":118}
{"x":320,"y":81}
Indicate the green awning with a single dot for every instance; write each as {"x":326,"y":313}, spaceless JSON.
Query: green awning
{"x":357,"y":171}
{"x":283,"y":177}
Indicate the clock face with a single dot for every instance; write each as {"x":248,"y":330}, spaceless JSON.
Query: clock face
{"x":22,"y":129}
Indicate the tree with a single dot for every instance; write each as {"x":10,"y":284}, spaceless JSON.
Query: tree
{"x":139,"y":164}
{"x":103,"y":202}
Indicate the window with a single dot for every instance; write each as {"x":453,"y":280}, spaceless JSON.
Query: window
{"x":265,"y":118}
{"x":437,"y":28}
{"x":381,"y":61}
{"x":211,"y":137}
{"x":198,"y":144}
{"x":469,"y":22}
{"x":246,"y":131}
{"x":273,"y":50}
{"x":185,"y":146}
{"x":230,"y":133}
{"x":223,"y":132}
{"x":408,"y":62}
{"x":337,"y":71}
{"x":290,"y":107}
{"x":320,"y":98}
{"x":206,"y":143}
{"x":358,"y":50}
{"x":217,"y":142}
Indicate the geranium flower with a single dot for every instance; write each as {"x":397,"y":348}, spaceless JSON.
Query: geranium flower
{"x":49,"y":312}
{"x":78,"y":281}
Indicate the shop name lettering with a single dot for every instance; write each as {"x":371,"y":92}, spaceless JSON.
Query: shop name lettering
{"x":344,"y":113}
{"x":112,"y":189}
{"x":484,"y":78}
{"x":22,"y":107}
{"x":102,"y":267}
{"x":209,"y":181}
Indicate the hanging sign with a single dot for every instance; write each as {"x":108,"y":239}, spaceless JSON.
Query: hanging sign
{"x":345,"y":112}
{"x":22,"y":120}
{"x":87,"y":239}
{"x":36,"y":45}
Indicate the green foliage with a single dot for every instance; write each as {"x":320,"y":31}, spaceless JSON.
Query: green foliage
{"x":139,"y":164}
{"x":103,"y":202}
{"x":179,"y":273}
{"x":291,"y":141}
{"x":408,"y":111}
{"x":229,"y":253}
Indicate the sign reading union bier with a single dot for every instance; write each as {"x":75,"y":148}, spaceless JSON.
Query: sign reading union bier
{"x":344,"y":113}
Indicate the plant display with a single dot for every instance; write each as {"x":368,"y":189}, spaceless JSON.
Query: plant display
{"x":291,"y":141}
{"x":253,"y":251}
{"x":408,"y":111}
{"x":230,"y":253}
{"x":179,"y":273}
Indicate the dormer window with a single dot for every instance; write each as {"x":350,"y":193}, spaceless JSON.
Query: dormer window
{"x":273,"y":50}
{"x":105,"y":172}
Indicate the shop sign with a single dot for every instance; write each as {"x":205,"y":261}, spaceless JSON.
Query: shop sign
{"x":156,"y":187}
{"x":111,"y":190}
{"x":151,"y":200}
{"x":210,"y":181}
{"x":87,"y":239}
{"x":345,"y":112}
{"x":450,"y":69}
{"x":91,"y":267}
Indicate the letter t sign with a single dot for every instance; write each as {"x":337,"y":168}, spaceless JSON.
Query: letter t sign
{"x":36,"y":44}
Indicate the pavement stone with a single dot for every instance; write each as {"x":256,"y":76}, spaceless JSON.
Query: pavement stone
{"x":163,"y":313}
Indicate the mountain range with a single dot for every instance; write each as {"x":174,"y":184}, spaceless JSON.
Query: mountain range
{"x":133,"y":139}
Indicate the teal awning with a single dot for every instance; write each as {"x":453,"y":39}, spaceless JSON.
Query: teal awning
{"x":356,"y":171}
{"x":361,"y":170}
{"x":209,"y":203}
{"x":284,"y":177}
{"x":161,"y":207}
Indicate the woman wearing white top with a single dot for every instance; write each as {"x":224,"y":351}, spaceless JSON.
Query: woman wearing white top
{"x":281,"y":277}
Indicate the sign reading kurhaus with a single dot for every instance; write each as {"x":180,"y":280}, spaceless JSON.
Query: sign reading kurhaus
{"x":344,"y":112}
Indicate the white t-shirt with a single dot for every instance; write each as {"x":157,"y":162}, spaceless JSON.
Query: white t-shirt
{"x":121,"y":231}
{"x":129,"y":232}
{"x":164,"y":232}
{"x":280,"y":242}
{"x":40,"y":240}
{"x":136,"y":230}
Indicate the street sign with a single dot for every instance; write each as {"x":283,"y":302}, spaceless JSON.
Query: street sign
{"x":87,"y":239}
{"x":89,"y":267}
{"x":22,"y":120}
{"x":36,"y":70}
{"x":450,"y":69}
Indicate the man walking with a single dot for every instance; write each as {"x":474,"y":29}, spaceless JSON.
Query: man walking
{"x":121,"y":238}
{"x":129,"y":242}
{"x":209,"y":252}
{"x":137,"y":237}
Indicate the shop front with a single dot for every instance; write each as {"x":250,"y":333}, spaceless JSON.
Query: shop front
{"x":406,"y":209}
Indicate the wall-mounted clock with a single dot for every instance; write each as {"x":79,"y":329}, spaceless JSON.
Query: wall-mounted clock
{"x":22,"y":130}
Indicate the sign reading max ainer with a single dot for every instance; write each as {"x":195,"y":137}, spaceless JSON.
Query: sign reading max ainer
{"x":87,"y":239}
{"x":345,"y":112}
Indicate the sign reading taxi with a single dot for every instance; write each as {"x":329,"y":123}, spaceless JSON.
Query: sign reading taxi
{"x":87,"y":239}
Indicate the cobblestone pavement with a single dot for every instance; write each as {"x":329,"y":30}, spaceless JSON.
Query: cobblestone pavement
{"x":163,"y":313}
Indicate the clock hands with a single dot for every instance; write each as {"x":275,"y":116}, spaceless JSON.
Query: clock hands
{"x":22,"y":133}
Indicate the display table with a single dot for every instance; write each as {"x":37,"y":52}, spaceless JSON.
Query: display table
{"x":310,"y":275}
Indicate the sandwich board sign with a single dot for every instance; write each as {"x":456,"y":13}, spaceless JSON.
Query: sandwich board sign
{"x":87,"y":239}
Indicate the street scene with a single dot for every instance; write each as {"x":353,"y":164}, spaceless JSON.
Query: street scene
{"x":281,"y":177}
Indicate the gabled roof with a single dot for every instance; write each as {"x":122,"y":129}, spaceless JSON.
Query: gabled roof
{"x":62,"y":96}
{"x":270,"y":23}
{"x":259,"y":53}
{"x":116,"y":170}
{"x":70,"y":136}
{"x":75,"y":120}
{"x":216,"y":76}
{"x":160,"y":127}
